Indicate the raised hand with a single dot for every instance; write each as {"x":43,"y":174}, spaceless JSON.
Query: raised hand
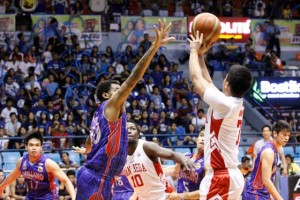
{"x":80,"y":150}
{"x":196,"y":43}
{"x":161,"y":33}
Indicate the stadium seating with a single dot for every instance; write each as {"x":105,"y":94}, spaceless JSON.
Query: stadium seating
{"x":54,"y":156}
{"x":289,"y":150}
{"x":297,"y":151}
{"x":10,"y":157}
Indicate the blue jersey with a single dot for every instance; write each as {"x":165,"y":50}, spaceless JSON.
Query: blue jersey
{"x":107,"y":157}
{"x":189,"y":180}
{"x":122,"y":188}
{"x":40,"y":183}
{"x":255,"y":187}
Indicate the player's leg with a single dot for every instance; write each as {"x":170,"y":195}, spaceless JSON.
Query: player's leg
{"x":87,"y":184}
{"x":237,"y":183}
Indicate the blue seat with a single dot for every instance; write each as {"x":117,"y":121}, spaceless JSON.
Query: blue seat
{"x":289,"y":150}
{"x":74,"y":157}
{"x":183,"y":150}
{"x":10,"y":157}
{"x":53,"y":156}
{"x":297,"y":150}
{"x":9,"y":166}
{"x":241,"y":151}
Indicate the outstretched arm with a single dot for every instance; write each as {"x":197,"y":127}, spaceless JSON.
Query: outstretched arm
{"x":53,"y":168}
{"x":196,"y":72}
{"x":153,"y":151}
{"x":115,"y":103}
{"x":11,"y":177}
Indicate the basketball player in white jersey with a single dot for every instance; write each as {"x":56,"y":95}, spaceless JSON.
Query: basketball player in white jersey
{"x":223,"y":180}
{"x":143,"y":168}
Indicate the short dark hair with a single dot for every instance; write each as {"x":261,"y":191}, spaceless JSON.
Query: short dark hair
{"x":71,"y":172}
{"x":281,"y":125}
{"x":239,"y":79}
{"x":35,"y":135}
{"x":266,"y":126}
{"x":245,"y":158}
{"x":136,"y":126}
{"x":62,"y":153}
{"x":104,"y":87}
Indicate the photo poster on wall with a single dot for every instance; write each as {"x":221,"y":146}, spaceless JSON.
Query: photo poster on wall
{"x":133,"y":29}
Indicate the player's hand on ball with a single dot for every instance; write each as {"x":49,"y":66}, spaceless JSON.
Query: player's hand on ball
{"x":196,"y":43}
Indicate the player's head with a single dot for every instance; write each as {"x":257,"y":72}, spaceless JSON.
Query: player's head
{"x":133,"y":132}
{"x":238,"y":81}
{"x":1,"y":175}
{"x":106,"y":89}
{"x":246,"y":162}
{"x":21,"y":179}
{"x":281,"y":132}
{"x":33,"y":144}
{"x":71,"y":175}
{"x":200,"y":139}
{"x":266,"y":132}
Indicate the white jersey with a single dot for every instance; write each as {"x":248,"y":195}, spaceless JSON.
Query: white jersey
{"x":145,"y":176}
{"x":222,"y":130}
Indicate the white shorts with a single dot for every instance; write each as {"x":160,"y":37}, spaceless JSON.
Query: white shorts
{"x":225,"y":184}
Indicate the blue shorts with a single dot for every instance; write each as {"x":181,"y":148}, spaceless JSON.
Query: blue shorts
{"x":122,"y":195}
{"x":90,"y":186}
{"x":250,"y":196}
{"x":48,"y":196}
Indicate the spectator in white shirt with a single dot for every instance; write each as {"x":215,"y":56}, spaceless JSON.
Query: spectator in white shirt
{"x":12,"y":126}
{"x":3,"y":142}
{"x":5,"y":114}
{"x":11,"y":87}
{"x":199,"y":120}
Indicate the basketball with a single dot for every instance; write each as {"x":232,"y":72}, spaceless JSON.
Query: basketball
{"x":209,"y":25}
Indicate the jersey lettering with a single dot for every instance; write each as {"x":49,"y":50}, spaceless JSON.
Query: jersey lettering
{"x":213,"y":142}
{"x":137,"y":180}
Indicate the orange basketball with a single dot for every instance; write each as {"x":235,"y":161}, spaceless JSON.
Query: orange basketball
{"x":209,"y":25}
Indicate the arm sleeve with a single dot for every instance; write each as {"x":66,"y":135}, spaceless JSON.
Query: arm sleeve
{"x":217,"y":100}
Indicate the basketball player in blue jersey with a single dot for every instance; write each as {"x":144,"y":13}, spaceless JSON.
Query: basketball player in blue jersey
{"x":261,"y":186}
{"x":189,"y":180}
{"x":108,"y":136}
{"x":39,"y":172}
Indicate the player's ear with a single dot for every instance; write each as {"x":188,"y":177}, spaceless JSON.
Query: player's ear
{"x":105,"y":95}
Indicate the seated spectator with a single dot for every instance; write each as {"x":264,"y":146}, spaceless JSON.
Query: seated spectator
{"x":183,"y":113}
{"x":63,"y":194}
{"x":293,"y":168}
{"x":5,"y":113}
{"x":12,"y":126}
{"x":61,"y":142}
{"x":245,"y":167}
{"x":190,"y":140}
{"x":66,"y":162}
{"x":76,"y":9}
{"x":227,"y":8}
{"x":156,"y":98}
{"x":194,"y":99}
{"x":199,"y":120}
{"x":6,"y":192}
{"x":173,"y":140}
{"x":19,"y":188}
{"x":287,"y":12}
{"x":19,"y":144}
{"x":51,"y":86}
{"x":11,"y":87}
{"x":259,"y":12}
{"x":3,"y":142}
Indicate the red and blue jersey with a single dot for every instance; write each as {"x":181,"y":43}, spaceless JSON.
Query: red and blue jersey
{"x":109,"y":144}
{"x":189,"y":180}
{"x":255,"y":185}
{"x":40,"y":183}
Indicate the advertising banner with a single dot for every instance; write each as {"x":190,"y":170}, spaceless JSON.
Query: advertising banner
{"x":289,"y":34}
{"x":86,"y":27}
{"x":232,"y":27}
{"x":133,"y":29}
{"x":294,"y":187}
{"x":284,"y":91}
{"x":7,"y":26}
